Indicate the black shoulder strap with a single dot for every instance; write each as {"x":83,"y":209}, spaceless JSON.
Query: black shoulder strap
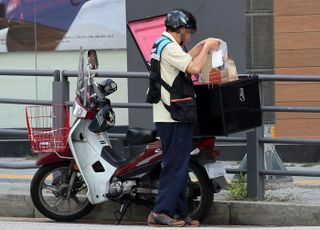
{"x":165,"y":85}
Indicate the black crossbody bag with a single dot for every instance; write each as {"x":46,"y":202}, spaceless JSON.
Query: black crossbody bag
{"x":182,"y":106}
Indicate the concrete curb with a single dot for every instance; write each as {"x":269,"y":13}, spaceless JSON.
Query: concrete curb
{"x":223,"y":212}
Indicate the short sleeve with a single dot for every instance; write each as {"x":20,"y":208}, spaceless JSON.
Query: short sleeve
{"x":175,"y":56}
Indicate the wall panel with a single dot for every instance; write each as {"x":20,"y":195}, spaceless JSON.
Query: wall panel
{"x":297,"y":51}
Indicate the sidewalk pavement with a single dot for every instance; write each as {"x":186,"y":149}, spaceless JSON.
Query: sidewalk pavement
{"x":286,"y":204}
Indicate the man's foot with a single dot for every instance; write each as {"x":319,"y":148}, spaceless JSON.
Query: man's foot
{"x":189,"y":221}
{"x":163,"y":220}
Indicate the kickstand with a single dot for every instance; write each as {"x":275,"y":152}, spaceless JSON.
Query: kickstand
{"x":122,"y":211}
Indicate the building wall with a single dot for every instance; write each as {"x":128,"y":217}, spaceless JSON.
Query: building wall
{"x":297,"y":51}
{"x":39,"y":88}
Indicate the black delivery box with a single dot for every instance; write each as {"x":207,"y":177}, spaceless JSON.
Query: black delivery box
{"x":228,"y":107}
{"x":223,"y":108}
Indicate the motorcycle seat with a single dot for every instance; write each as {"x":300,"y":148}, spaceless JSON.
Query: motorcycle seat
{"x":139,"y":136}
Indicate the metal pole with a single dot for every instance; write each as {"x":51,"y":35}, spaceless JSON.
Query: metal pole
{"x":60,"y":89}
{"x":56,"y":75}
{"x":60,"y":94}
{"x":255,"y":163}
{"x":65,"y":87}
{"x":24,"y":101}
{"x":109,"y":74}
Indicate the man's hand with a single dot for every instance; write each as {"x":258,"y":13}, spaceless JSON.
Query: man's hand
{"x":200,"y":53}
{"x":212,"y":43}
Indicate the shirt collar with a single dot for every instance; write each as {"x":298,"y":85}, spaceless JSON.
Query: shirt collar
{"x":165,"y":33}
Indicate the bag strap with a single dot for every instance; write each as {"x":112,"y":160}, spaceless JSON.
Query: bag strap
{"x":156,"y":51}
{"x":158,"y":46}
{"x":166,"y":85}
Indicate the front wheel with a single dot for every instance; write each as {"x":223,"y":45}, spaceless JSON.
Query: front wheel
{"x":60,"y":193}
{"x":199,"y":192}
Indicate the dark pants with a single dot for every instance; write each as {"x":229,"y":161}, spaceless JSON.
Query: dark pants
{"x":176,"y":140}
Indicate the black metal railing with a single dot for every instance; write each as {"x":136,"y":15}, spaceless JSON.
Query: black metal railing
{"x":255,"y":139}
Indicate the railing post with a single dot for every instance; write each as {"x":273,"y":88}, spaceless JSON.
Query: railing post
{"x":60,"y":94}
{"x":255,"y":162}
{"x":60,"y":88}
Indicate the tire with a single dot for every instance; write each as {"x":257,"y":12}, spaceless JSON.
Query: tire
{"x":49,"y":188}
{"x":199,"y":192}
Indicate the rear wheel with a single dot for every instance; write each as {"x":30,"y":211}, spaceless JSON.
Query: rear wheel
{"x":51,"y":195}
{"x":199,"y":192}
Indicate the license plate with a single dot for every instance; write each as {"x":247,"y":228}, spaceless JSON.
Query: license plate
{"x":215,"y":169}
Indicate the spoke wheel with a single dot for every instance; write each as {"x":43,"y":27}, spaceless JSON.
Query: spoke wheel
{"x":52,"y":196}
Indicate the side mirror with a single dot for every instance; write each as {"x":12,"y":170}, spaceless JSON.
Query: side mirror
{"x":93,"y":59}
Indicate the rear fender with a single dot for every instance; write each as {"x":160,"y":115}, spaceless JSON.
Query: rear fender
{"x":219,"y":183}
{"x":203,"y":158}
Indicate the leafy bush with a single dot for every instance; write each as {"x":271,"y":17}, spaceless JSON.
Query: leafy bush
{"x":238,"y":188}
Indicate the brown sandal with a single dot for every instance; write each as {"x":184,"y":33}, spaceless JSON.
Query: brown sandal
{"x":163,"y":220}
{"x":191,"y":222}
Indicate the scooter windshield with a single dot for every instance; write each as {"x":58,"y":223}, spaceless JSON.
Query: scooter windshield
{"x":84,"y":88}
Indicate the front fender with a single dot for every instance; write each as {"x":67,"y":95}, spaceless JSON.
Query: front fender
{"x":50,"y":158}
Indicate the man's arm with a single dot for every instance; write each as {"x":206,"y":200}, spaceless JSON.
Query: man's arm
{"x":196,"y":49}
{"x":198,"y":61}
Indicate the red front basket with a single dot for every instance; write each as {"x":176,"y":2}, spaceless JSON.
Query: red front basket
{"x":48,"y":127}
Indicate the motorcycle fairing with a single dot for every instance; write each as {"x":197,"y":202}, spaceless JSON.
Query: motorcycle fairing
{"x":86,"y":148}
{"x":143,"y":162}
{"x":78,"y":110}
{"x":112,"y":157}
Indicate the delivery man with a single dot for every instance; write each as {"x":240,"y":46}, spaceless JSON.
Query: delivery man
{"x":176,"y":136}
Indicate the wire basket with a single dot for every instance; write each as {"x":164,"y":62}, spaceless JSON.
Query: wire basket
{"x":48,"y":127}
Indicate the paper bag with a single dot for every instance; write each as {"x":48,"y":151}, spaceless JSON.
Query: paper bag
{"x":219,"y":67}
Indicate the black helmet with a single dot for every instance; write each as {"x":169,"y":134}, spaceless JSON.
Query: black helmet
{"x":180,"y":18}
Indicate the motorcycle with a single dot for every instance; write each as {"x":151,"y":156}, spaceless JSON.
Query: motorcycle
{"x":87,"y":171}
